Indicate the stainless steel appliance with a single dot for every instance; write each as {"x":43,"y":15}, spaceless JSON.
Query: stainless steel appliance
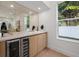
{"x":25,"y":47}
{"x":13,"y":48}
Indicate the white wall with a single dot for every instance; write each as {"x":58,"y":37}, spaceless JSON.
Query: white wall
{"x":48,"y":18}
{"x":34,"y":21}
{"x":43,"y":19}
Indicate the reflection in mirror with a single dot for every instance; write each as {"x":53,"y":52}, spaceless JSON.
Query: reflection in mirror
{"x":7,"y":15}
{"x":16,"y":16}
{"x":26,"y":23}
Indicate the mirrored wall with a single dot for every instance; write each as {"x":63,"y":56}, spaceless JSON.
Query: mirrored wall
{"x":17,"y":17}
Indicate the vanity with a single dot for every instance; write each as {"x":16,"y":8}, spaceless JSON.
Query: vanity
{"x":24,"y":34}
{"x":23,"y":44}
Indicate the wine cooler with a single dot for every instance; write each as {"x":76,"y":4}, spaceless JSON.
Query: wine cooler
{"x":25,"y":47}
{"x":13,"y":48}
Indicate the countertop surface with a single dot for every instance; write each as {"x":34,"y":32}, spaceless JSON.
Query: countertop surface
{"x":9,"y":36}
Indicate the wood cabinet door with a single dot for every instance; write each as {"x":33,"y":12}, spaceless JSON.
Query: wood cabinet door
{"x":41,"y":42}
{"x":33,"y":46}
{"x":44,"y":38}
{"x":37,"y":43}
{"x":2,"y":49}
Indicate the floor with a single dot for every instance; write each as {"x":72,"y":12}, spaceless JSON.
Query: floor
{"x":50,"y":53}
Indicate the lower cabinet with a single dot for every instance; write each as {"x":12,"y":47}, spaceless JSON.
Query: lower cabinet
{"x":42,"y":42}
{"x":2,"y":49}
{"x":24,"y":47}
{"x":33,"y":45}
{"x":37,"y":43}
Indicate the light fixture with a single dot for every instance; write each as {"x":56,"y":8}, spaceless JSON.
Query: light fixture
{"x":12,"y":6}
{"x":39,"y":8}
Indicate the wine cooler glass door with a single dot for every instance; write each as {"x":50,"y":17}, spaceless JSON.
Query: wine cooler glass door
{"x":13,"y":48}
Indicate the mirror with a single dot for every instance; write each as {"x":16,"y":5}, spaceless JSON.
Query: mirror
{"x":17,"y":17}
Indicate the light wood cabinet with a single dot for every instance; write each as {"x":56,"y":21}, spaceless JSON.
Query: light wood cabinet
{"x":37,"y":43}
{"x":42,"y":42}
{"x":2,"y":49}
{"x":32,"y":45}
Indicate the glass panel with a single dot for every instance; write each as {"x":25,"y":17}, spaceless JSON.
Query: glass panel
{"x":26,"y":22}
{"x":68,"y":19}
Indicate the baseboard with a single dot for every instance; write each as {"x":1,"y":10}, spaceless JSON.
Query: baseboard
{"x":62,"y":51}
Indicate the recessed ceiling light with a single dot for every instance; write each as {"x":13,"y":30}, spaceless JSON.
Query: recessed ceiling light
{"x":12,"y":6}
{"x":39,"y":8}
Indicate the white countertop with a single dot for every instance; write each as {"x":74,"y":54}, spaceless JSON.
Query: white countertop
{"x":19,"y":34}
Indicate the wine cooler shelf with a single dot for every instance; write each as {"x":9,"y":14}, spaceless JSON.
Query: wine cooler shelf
{"x":25,"y":47}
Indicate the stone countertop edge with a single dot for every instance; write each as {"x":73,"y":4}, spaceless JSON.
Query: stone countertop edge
{"x":20,"y":34}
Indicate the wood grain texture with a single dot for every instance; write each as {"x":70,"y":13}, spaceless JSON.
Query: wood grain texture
{"x":2,"y":49}
{"x":50,"y":53}
{"x":33,"y":45}
{"x":37,"y":43}
{"x":42,"y":42}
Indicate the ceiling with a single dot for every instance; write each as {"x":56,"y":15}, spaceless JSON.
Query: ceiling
{"x":34,"y":5}
{"x":21,"y":7}
{"x":18,"y":9}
